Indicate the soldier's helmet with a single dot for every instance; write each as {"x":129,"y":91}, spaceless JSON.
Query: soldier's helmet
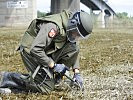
{"x":79,"y":26}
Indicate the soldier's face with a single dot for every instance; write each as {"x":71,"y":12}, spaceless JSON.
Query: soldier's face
{"x":73,"y":35}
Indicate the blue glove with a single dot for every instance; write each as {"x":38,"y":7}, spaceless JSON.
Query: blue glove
{"x":60,"y":68}
{"x":78,"y":79}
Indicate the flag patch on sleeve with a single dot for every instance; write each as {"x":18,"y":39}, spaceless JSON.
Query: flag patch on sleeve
{"x":52,"y":33}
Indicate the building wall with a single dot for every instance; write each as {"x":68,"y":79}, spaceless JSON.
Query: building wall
{"x":17,"y":12}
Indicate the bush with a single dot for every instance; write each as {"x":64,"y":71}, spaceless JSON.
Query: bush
{"x":41,"y":14}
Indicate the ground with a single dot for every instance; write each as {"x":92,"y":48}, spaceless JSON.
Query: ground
{"x":106,"y":61}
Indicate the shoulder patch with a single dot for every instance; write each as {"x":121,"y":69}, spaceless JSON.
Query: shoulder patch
{"x":52,"y":33}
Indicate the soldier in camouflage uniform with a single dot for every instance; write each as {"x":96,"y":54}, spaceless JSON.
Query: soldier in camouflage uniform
{"x":49,"y":46}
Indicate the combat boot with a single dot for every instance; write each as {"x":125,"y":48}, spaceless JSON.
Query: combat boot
{"x":3,"y":90}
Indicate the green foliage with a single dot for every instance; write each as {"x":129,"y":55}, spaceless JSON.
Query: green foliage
{"x":122,"y":15}
{"x":41,"y":14}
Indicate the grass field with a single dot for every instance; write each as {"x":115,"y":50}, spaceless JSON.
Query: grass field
{"x":106,"y":61}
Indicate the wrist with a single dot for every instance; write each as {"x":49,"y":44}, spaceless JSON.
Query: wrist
{"x":51,"y":65}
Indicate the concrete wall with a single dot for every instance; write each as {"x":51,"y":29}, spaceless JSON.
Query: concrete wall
{"x":17,"y":12}
{"x":58,"y":5}
{"x":104,"y":20}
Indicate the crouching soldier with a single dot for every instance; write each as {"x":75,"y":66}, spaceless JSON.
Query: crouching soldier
{"x":49,"y":49}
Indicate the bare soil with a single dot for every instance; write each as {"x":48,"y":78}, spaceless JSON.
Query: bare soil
{"x":106,"y":61}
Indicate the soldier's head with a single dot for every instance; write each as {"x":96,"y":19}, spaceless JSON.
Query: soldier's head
{"x":79,"y":26}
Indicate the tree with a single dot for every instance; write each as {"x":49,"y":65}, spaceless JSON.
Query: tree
{"x":41,"y":14}
{"x":122,"y":15}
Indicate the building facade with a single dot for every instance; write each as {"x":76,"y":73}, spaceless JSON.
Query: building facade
{"x":17,"y":12}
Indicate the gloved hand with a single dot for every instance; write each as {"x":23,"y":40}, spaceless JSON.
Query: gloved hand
{"x":78,"y":79}
{"x":60,"y":68}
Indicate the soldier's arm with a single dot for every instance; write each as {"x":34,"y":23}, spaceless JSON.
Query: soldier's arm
{"x":40,"y":43}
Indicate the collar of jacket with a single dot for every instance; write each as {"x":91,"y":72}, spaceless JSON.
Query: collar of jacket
{"x":60,"y":20}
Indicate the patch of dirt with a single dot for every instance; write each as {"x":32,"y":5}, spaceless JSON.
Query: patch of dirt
{"x":109,"y":83}
{"x":106,"y":61}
